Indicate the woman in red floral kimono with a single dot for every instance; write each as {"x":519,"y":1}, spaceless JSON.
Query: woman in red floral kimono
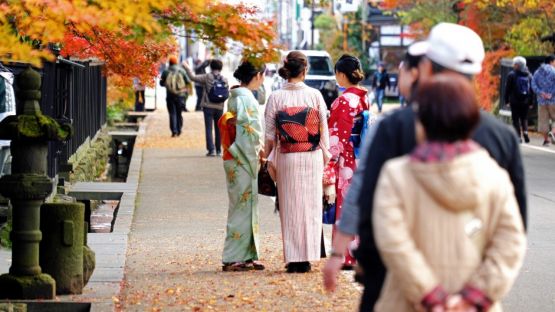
{"x":345,"y":125}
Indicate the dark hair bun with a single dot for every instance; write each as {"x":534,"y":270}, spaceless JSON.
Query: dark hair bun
{"x":351,"y":67}
{"x":246,"y":72}
{"x":294,"y":65}
{"x":284,"y":73}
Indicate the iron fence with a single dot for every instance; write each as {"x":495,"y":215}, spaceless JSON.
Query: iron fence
{"x":74,"y":92}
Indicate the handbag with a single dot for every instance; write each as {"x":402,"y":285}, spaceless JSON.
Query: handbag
{"x":328,"y":215}
{"x":266,"y":185}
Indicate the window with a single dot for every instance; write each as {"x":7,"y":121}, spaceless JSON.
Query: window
{"x":320,"y":65}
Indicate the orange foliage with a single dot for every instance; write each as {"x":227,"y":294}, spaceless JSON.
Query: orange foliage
{"x":487,"y":82}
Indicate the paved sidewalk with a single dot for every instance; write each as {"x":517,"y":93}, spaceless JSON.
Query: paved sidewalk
{"x":174,"y":254}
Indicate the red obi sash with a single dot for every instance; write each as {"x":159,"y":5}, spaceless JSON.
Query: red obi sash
{"x":298,"y":129}
{"x":227,"y":125}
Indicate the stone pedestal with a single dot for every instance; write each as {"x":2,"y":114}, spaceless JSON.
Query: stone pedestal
{"x":27,"y":188}
{"x":61,"y":250}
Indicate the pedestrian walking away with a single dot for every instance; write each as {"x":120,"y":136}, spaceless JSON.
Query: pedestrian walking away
{"x":297,"y":142}
{"x":449,"y":48}
{"x":345,"y":125}
{"x":200,"y":69}
{"x":177,"y":84}
{"x":380,"y":81}
{"x":518,"y":94}
{"x":139,"y":89}
{"x":543,"y":84}
{"x":242,"y":139}
{"x":214,"y":96}
{"x":448,"y":202}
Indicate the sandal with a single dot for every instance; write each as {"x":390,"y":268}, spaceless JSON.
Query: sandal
{"x":256,"y":265}
{"x":236,"y":267}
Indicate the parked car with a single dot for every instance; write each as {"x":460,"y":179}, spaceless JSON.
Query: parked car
{"x":320,"y":75}
{"x":7,"y":108}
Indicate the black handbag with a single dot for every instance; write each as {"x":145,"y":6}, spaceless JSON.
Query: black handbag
{"x":266,"y":185}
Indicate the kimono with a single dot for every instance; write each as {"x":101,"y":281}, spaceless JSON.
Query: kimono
{"x":241,"y":137}
{"x":301,"y":152}
{"x":345,"y":126}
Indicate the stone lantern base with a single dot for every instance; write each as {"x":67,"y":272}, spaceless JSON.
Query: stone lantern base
{"x":40,"y":286}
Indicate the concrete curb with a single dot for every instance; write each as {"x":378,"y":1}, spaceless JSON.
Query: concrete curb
{"x":111,"y":248}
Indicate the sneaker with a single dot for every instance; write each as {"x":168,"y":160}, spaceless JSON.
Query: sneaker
{"x":551,"y":137}
{"x":210,"y":154}
{"x":545,"y":143}
{"x":526,"y":138}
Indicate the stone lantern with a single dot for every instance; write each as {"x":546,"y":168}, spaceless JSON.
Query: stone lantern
{"x":27,"y":187}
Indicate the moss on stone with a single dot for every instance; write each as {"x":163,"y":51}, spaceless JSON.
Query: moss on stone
{"x":41,"y":126}
{"x":41,"y":286}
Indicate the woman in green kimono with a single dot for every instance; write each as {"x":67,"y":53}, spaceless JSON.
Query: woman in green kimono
{"x":241,"y":139}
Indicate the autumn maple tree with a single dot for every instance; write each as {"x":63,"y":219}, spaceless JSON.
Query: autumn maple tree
{"x":130,"y":36}
{"x":507,"y":27}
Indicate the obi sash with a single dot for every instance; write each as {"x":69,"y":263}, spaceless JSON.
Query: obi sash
{"x":227,"y":126}
{"x":298,"y":129}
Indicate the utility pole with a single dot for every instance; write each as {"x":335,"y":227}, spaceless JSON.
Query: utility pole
{"x":312,"y":25}
{"x":364,"y":18}
{"x":345,"y":32}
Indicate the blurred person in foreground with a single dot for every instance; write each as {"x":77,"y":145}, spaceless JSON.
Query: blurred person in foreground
{"x":446,"y":221}
{"x":449,"y":48}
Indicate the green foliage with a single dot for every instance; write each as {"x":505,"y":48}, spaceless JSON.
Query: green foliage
{"x":524,"y":37}
{"x":5,"y":231}
{"x":429,"y":13}
{"x":116,"y":112}
{"x":325,"y":22}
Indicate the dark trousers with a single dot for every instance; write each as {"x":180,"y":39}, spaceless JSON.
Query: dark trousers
{"x":211,"y":117}
{"x":175,"y":106}
{"x":519,"y":114}
{"x":140,"y":101}
{"x":373,"y":282}
{"x":200,"y":91}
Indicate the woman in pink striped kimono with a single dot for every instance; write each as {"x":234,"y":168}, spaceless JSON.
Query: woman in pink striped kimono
{"x":297,"y":141}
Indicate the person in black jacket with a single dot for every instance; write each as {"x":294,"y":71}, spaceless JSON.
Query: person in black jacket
{"x":452,"y":48}
{"x":379,"y":83}
{"x":518,"y":94}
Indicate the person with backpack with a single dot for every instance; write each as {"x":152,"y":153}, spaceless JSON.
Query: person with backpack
{"x":216,"y":92}
{"x":518,"y":94}
{"x":345,"y":126}
{"x":177,"y":89}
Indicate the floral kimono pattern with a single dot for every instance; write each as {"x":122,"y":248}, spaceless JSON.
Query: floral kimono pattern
{"x":241,"y":165}
{"x":342,"y":165}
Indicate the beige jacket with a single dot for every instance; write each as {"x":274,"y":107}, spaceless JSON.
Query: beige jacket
{"x":446,"y":224}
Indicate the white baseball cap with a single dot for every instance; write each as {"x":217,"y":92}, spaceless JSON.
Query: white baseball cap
{"x":455,"y":47}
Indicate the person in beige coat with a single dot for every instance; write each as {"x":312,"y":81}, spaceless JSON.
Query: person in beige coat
{"x":446,"y":220}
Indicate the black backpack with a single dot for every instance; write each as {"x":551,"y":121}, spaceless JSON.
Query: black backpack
{"x":522,"y":84}
{"x":219,"y":92}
